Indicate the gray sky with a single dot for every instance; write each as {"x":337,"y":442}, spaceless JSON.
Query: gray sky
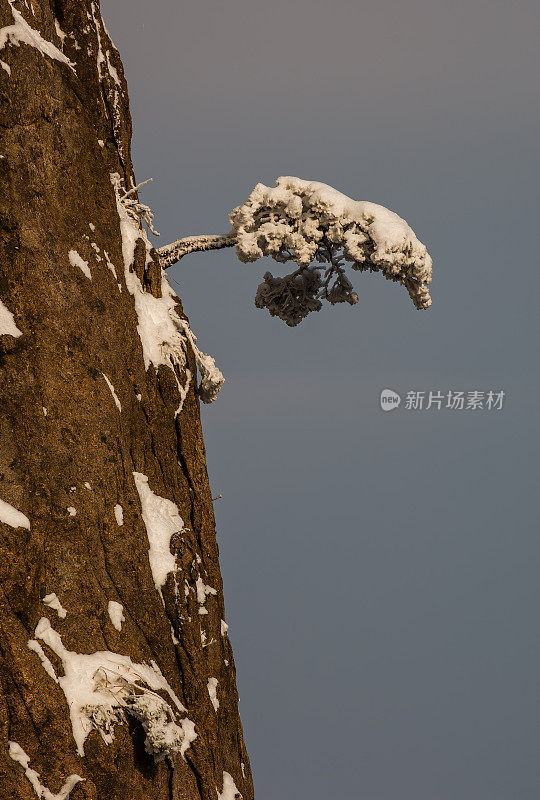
{"x":381,"y":570}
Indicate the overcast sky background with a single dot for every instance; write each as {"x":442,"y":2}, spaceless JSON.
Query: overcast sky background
{"x":380,"y":569}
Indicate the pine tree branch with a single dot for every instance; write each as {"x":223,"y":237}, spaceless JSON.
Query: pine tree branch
{"x":173,"y":252}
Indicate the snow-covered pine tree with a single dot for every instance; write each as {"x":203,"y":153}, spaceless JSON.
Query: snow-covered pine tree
{"x":117,"y":677}
{"x":322,"y":231}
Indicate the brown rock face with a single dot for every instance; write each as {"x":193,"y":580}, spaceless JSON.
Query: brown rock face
{"x":121,"y":685}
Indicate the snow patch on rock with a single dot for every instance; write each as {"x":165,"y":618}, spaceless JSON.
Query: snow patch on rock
{"x":53,"y":602}
{"x":21,"y":33}
{"x":202,"y":592}
{"x":116,"y":614}
{"x":212,"y":691}
{"x":115,"y":396}
{"x":102,"y":687}
{"x":103,"y":57}
{"x":11,"y":516}
{"x":17,"y":754}
{"x":45,"y":662}
{"x":119,"y":514}
{"x":77,"y":261}
{"x":112,"y":268}
{"x":7,"y":323}
{"x":96,"y":250}
{"x":161,"y":519}
{"x":229,"y":791}
{"x":59,"y":32}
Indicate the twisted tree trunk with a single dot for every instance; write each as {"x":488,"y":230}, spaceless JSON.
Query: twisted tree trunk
{"x":117,"y":677}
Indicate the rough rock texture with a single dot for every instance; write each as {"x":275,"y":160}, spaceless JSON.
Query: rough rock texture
{"x":68,"y":454}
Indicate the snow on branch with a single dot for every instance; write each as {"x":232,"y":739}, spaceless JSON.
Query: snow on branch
{"x":321,"y":231}
{"x":172,"y":253}
{"x":164,"y":334}
{"x":163,"y":736}
{"x":139,"y":212}
{"x":306,"y":222}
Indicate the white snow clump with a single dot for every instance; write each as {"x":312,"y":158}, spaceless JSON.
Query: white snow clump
{"x":7,"y":323}
{"x":212,"y":685}
{"x":303,"y":221}
{"x":163,"y":736}
{"x":229,"y":791}
{"x":101,"y":688}
{"x":77,"y":261}
{"x":119,"y":514}
{"x":12,"y":516}
{"x":116,"y":614}
{"x":53,"y":602}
